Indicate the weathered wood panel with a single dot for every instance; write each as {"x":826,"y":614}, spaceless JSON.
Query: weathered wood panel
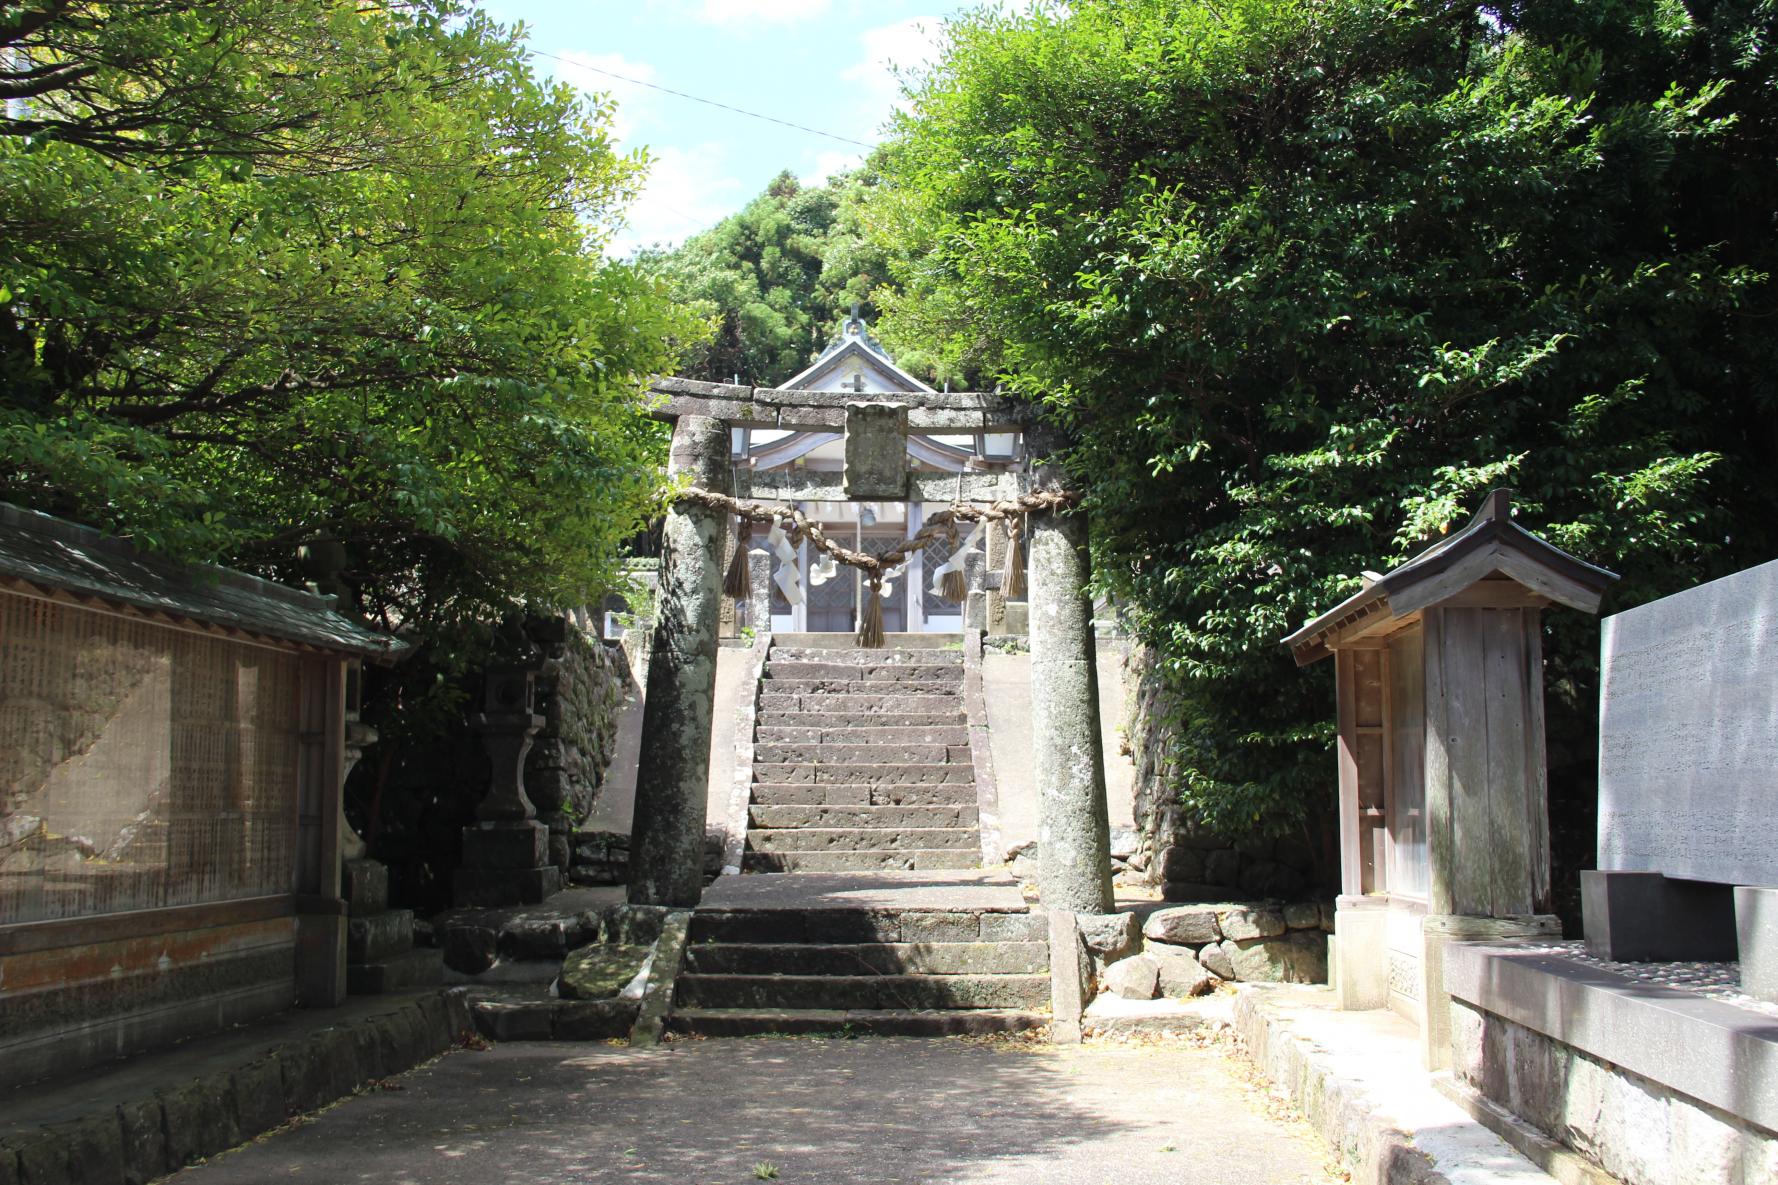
{"x":1439,"y":822}
{"x":1508,"y":854}
{"x":1466,"y":730}
{"x":1537,"y":797}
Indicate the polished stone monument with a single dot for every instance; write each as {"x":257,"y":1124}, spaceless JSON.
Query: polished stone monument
{"x":1688,"y":774}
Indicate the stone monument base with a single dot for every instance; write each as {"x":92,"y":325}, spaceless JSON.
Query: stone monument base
{"x":1756,"y":931}
{"x":380,"y":952}
{"x":505,"y":864}
{"x":1638,"y":917}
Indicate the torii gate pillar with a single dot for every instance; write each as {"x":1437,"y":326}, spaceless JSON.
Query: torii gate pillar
{"x":672,"y":777}
{"x":1074,"y":830}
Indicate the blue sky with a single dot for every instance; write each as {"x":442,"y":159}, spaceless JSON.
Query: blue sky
{"x":823,"y":63}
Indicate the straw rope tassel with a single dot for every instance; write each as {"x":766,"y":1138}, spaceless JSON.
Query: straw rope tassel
{"x":737,"y":583}
{"x":953,"y":586}
{"x":870,"y":630}
{"x":1012,"y":576}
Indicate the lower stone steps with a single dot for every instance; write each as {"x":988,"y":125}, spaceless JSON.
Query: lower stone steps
{"x":868,"y":958}
{"x":954,"y":734}
{"x":415,"y":967}
{"x":911,"y":992}
{"x":912,"y":774}
{"x":886,"y":1022}
{"x":859,"y":839}
{"x":952,"y":718}
{"x":841,"y":794}
{"x":962,"y":814}
{"x":906,"y":859}
{"x":853,"y":756}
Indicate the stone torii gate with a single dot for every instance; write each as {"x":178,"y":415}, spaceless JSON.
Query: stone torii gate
{"x":666,"y":847}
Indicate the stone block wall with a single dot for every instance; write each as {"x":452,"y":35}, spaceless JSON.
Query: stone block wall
{"x":1185,"y":950}
{"x":1175,"y":853}
{"x":421,"y":792}
{"x":580,"y":693}
{"x":1640,"y":1131}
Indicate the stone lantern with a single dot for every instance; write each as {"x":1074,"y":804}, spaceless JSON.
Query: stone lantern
{"x":506,"y":852}
{"x":1444,"y":823}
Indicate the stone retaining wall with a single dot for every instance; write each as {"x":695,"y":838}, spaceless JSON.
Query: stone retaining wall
{"x":1171,"y":850}
{"x":580,"y":693}
{"x":432,"y":787}
{"x":159,"y":1129}
{"x":1655,"y":1085}
{"x":1185,"y":950}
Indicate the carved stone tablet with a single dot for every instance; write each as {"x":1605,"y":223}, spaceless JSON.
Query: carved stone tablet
{"x":1688,"y":733}
{"x":876,"y":450}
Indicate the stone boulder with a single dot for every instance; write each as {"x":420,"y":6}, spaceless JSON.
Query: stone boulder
{"x":1299,"y":958}
{"x":1183,"y":926}
{"x":1214,"y":961}
{"x":1109,"y":936}
{"x":599,"y":972}
{"x":1253,"y":922}
{"x":1135,"y":978}
{"x":1303,"y":916}
{"x":470,"y":949}
{"x":1179,"y":974}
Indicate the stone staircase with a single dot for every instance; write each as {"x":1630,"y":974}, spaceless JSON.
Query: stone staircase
{"x":975,"y":960}
{"x":862,"y":762}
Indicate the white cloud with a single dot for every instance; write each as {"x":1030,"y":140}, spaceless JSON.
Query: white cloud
{"x":688,"y":190}
{"x":593,"y":72}
{"x":829,"y":163}
{"x":903,"y":48}
{"x":761,"y":12}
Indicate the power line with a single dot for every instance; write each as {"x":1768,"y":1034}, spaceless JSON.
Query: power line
{"x":699,"y":99}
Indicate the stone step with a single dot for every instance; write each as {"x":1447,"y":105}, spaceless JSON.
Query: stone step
{"x":516,"y":1013}
{"x":862,"y":839}
{"x":862,"y":991}
{"x":943,"y":815}
{"x":776,"y":754}
{"x":854,"y":705}
{"x":879,"y":672}
{"x":423,"y":967}
{"x":863,"y":773}
{"x":372,"y":938}
{"x":835,"y":720}
{"x":853,"y":656}
{"x":886,"y":1022}
{"x":846,"y":926}
{"x":869,"y":958}
{"x":845,"y":794}
{"x":904,"y":859}
{"x":853,"y":687}
{"x":860,"y":735}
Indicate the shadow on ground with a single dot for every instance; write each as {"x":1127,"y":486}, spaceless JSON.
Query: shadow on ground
{"x":821,"y":1112}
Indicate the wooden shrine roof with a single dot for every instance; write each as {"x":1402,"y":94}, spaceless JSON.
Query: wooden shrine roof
{"x":63,"y":561}
{"x":1491,"y":547}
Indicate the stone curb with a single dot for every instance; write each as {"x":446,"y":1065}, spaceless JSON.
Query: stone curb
{"x":981,"y":750}
{"x":734,"y":845}
{"x":663,"y":976}
{"x":1356,"y":1124}
{"x":183,"y":1122}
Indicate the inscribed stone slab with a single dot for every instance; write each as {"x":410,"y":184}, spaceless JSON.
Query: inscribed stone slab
{"x":1688,"y":733}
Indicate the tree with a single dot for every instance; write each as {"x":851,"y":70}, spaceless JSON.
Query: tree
{"x":1304,"y":278}
{"x":274,"y":271}
{"x":777,"y":277}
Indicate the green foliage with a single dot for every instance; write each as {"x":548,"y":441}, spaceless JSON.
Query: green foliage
{"x":777,"y":277}
{"x":1304,"y":278}
{"x":280,"y":270}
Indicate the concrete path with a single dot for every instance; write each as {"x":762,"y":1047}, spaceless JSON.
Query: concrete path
{"x":883,"y":1111}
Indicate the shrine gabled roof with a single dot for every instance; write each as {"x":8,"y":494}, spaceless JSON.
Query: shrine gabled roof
{"x":64,"y":560}
{"x":855,"y":344}
{"x":1491,"y":546}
